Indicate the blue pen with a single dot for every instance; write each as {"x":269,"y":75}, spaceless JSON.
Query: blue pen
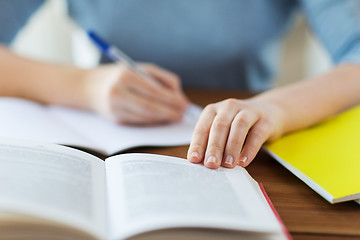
{"x":117,"y":55}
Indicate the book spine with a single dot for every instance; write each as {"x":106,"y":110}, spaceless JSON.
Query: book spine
{"x":284,"y":229}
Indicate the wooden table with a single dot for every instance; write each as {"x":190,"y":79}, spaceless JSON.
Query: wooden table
{"x":305,"y":213}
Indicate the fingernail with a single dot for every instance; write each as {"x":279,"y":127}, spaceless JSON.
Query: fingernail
{"x":194,"y":156}
{"x":229,"y":160}
{"x":244,"y":160}
{"x":211,"y":159}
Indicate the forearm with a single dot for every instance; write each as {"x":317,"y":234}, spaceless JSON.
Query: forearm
{"x":42,"y":82}
{"x":308,"y":102}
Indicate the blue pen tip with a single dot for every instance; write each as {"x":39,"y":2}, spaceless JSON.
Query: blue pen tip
{"x":104,"y":46}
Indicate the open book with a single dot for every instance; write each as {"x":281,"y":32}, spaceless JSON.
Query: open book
{"x":55,"y":192}
{"x":326,"y":156}
{"x":22,"y":119}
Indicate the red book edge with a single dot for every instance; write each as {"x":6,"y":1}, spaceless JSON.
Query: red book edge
{"x":284,"y":229}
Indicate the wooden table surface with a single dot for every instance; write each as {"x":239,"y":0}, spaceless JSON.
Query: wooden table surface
{"x":306,"y":214}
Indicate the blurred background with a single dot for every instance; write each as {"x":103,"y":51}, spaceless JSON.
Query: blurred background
{"x":52,"y":36}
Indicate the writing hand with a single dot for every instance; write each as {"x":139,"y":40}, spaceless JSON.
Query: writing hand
{"x":124,"y":97}
{"x":232,"y":131}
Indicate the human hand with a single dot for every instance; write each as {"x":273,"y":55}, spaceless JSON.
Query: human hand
{"x":232,"y":131}
{"x":124,"y":97}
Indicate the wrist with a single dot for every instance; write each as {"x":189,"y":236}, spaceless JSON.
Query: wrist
{"x":97,"y":87}
{"x":273,"y":113}
{"x":66,"y":85}
{"x":90,"y":84}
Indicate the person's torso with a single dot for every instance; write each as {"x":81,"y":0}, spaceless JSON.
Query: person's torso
{"x":209,"y":43}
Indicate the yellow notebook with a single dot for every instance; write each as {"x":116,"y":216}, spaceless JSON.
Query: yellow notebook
{"x":326,"y":157}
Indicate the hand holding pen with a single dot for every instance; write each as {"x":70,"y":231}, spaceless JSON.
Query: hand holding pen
{"x":128,"y":93}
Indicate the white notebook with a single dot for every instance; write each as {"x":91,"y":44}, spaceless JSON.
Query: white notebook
{"x":22,"y":119}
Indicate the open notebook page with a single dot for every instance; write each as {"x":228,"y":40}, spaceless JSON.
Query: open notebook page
{"x":22,"y":119}
{"x":148,"y":192}
{"x":111,"y":137}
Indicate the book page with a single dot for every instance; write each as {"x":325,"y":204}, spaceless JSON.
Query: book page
{"x":53,"y":182}
{"x":148,"y":192}
{"x":22,"y":119}
{"x":112,"y":137}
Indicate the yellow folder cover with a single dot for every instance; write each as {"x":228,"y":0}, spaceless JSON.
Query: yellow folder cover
{"x":325,"y":156}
